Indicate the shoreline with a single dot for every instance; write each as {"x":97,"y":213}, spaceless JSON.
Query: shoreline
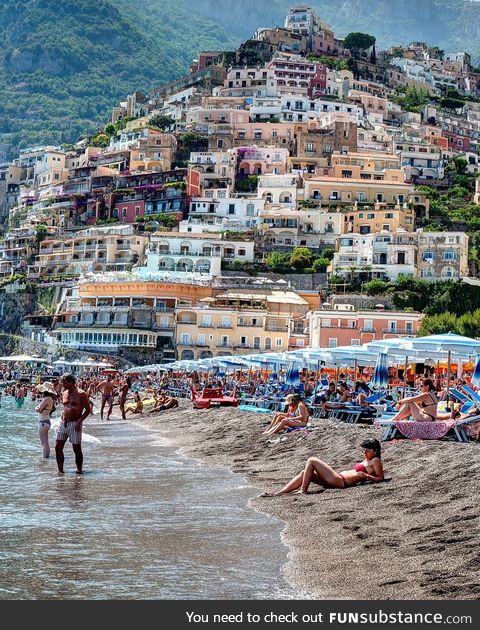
{"x":412,"y":537}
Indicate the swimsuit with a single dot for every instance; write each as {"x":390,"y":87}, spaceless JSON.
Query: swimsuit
{"x":432,"y":404}
{"x":356,"y":468}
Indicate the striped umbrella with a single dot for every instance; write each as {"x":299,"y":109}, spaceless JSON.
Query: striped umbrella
{"x":292,"y":376}
{"x":380,"y":374}
{"x":476,"y":373}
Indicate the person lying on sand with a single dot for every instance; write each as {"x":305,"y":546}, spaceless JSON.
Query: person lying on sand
{"x":317,"y":471}
{"x":297,"y":415}
{"x":163,"y":402}
{"x":421,"y":408}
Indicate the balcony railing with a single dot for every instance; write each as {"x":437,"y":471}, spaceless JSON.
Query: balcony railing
{"x":368,"y":329}
{"x":271,"y":328}
{"x":186,"y":322}
{"x":398,"y":331}
{"x":224,"y":345}
{"x":206,"y":325}
{"x":224,"y":326}
{"x":244,"y":325}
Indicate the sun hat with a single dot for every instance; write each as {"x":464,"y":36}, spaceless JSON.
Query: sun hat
{"x":290,"y":398}
{"x":47,"y":387}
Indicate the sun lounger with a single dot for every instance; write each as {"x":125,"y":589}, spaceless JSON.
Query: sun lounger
{"x":471,"y":393}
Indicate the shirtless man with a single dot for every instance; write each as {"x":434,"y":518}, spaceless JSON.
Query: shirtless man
{"x":107,"y":388}
{"x":76,"y":407}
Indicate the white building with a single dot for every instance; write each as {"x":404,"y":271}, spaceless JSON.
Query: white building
{"x":298,"y":108}
{"x":177,"y":255}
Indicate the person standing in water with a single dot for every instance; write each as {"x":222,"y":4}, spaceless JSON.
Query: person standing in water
{"x":76,"y":407}
{"x":45,"y":409}
{"x":107,"y":388}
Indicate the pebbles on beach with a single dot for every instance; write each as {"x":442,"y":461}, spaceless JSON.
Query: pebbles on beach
{"x":414,"y":537}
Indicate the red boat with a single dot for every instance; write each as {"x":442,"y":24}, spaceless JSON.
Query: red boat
{"x":210,"y":396}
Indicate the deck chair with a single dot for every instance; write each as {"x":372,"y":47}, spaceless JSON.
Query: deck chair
{"x":471,"y":393}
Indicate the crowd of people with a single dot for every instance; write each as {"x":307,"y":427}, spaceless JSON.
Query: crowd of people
{"x":154,"y":393}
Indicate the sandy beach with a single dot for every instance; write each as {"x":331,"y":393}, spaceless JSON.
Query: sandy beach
{"x":412,"y":537}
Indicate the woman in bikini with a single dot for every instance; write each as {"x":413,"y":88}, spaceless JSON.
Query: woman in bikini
{"x":422,"y":408}
{"x":317,"y":471}
{"x":297,"y":415}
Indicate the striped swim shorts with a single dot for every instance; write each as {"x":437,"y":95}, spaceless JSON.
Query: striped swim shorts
{"x":68,"y":430}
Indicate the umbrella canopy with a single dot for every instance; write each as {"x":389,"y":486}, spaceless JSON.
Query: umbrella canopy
{"x":448,"y":342}
{"x":380,"y":374}
{"x":292,"y":377}
{"x":22,"y":358}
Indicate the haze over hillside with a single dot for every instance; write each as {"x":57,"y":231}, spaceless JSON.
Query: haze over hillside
{"x":63,"y":65}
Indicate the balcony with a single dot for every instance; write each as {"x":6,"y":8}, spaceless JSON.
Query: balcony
{"x":187,"y":322}
{"x":224,"y":345}
{"x":245,"y":325}
{"x":164,"y":327}
{"x":271,"y":328}
{"x":368,"y":329}
{"x":243,"y":346}
{"x":184,"y":342}
{"x":224,"y":326}
{"x":398,"y":331}
{"x":206,"y":325}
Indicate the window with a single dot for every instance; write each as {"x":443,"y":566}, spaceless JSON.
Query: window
{"x":268,"y":343}
{"x":242,"y":252}
{"x":355,"y":342}
{"x":225,"y":320}
{"x":219,"y":144}
{"x":310,"y":147}
{"x":368,"y":325}
{"x":449,"y":255}
{"x":207,"y":320}
{"x":428,"y":256}
{"x":347,"y":174}
{"x":124,"y":212}
{"x":231,"y":208}
{"x":250,"y":210}
{"x":392,"y":326}
{"x":449,"y":272}
{"x":278,"y":342}
{"x":332,"y":342}
{"x":409,"y":327}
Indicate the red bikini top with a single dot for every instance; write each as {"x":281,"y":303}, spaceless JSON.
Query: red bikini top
{"x":360,"y":468}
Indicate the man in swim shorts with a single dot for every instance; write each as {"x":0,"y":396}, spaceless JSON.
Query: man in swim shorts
{"x":76,"y":407}
{"x":107,"y":389}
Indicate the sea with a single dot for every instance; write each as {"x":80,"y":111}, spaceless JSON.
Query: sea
{"x":143,"y":522}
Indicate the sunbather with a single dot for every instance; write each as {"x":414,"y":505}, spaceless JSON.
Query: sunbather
{"x":422,"y":408}
{"x":317,"y":471}
{"x":163,"y":402}
{"x":136,"y":406}
{"x":297,"y":415}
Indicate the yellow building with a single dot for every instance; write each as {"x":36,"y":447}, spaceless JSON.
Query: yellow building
{"x":241,"y":321}
{"x":367,"y":166}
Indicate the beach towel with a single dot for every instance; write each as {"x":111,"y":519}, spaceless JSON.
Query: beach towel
{"x":254,"y":409}
{"x":425,"y":430}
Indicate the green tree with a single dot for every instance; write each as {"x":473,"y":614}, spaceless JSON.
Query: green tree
{"x":359,"y":43}
{"x":277,"y":262}
{"x":301,"y":258}
{"x":438,"y":324}
{"x":376,"y":287}
{"x":161,"y":121}
{"x":320,"y":265}
{"x":41,"y":232}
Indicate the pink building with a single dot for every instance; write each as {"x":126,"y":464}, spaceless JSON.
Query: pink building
{"x":262,"y":160}
{"x":343,"y":326}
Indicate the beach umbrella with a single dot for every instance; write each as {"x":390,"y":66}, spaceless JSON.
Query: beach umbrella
{"x":292,"y":376}
{"x":448,"y":343}
{"x":380,"y":374}
{"x":476,"y":373}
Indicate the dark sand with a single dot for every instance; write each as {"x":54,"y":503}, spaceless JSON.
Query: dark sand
{"x":413,"y":537}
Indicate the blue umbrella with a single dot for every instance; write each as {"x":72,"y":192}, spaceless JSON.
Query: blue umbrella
{"x":380,"y":374}
{"x":292,"y":376}
{"x":476,"y":373}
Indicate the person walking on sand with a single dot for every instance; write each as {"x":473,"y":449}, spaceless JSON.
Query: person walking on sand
{"x":107,"y":388}
{"x":76,"y":407}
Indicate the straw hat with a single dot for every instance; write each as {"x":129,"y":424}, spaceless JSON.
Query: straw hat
{"x":47,"y":388}
{"x":290,"y":399}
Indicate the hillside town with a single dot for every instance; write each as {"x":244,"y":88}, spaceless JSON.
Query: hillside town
{"x":245,"y":205}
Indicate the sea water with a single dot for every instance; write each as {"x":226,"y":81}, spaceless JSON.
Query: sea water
{"x":143,"y":522}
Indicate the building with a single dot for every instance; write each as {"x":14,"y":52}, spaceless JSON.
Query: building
{"x":296,"y":75}
{"x":301,"y":20}
{"x":176,"y":255}
{"x":95,"y":250}
{"x":240,"y":321}
{"x":344,"y":326}
{"x":442,"y":255}
{"x":127,"y":317}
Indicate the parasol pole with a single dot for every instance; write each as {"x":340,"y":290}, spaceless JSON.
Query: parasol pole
{"x":449,"y":360}
{"x":405,"y":377}
{"x":354,"y":371}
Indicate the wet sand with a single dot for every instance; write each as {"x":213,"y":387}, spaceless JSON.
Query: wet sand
{"x":413,"y":537}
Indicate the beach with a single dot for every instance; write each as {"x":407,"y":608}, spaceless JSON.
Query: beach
{"x":414,"y":536}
